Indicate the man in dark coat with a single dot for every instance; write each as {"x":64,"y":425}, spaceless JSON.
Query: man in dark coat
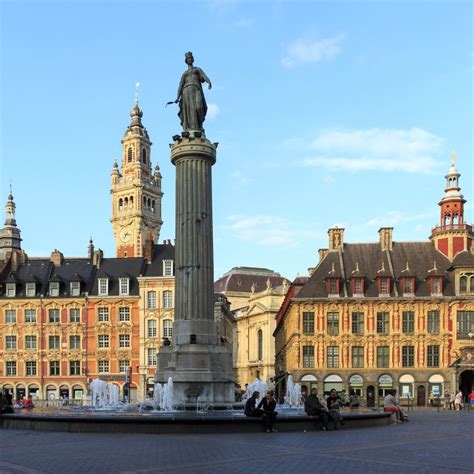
{"x":314,"y":407}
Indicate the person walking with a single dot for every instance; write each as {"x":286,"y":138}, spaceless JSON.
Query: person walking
{"x":268,"y":404}
{"x":458,"y":401}
{"x":353,"y":399}
{"x":446,"y":399}
{"x":471,"y":400}
{"x":314,"y":407}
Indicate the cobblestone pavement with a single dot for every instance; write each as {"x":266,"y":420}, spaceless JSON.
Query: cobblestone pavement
{"x":431,"y":442}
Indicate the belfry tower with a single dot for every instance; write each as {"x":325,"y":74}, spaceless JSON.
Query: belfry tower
{"x":136,"y":192}
{"x":10,"y":239}
{"x":452,"y":235}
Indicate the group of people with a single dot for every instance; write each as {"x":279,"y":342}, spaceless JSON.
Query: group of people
{"x":7,"y":405}
{"x":328,"y":410}
{"x":455,"y":401}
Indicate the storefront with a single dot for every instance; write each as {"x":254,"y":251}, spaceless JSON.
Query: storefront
{"x":51,"y":393}
{"x":406,"y":386}
{"x":332,"y":381}
{"x":308,"y":382}
{"x":356,"y":383}
{"x":64,"y":392}
{"x":385,"y":384}
{"x":33,"y":391}
{"x":20,"y":392}
{"x":150,"y":387}
{"x":436,"y":386}
{"x":77,"y":392}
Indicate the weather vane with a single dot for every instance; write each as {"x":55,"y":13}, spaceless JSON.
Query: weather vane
{"x":453,"y":157}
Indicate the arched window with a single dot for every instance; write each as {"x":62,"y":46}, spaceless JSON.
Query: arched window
{"x":463,"y":284}
{"x":129,"y":154}
{"x":167,"y":299}
{"x":167,"y":328}
{"x":471,"y":284}
{"x":151,"y":328}
{"x":260,"y":344}
{"x":149,"y":203}
{"x":130,"y":203}
{"x":144,"y":155}
{"x":120,"y":204}
{"x":153,"y":206}
{"x":125,"y":203}
{"x":144,"y":202}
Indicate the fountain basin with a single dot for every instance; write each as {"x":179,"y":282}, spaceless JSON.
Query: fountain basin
{"x":176,"y":422}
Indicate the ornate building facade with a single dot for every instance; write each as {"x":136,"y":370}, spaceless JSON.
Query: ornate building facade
{"x":376,"y":316}
{"x":255,"y":296}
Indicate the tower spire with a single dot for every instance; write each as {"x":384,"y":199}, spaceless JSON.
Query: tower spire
{"x":452,"y":235}
{"x":10,"y":239}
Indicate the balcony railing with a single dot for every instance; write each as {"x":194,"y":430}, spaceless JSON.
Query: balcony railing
{"x":450,"y":227}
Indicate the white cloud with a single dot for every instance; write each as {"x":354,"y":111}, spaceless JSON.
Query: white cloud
{"x":269,"y":230}
{"x":212,"y":111}
{"x":413,"y":150}
{"x":305,"y":51}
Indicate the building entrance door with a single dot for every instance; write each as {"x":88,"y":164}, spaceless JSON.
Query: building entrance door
{"x":370,"y":396}
{"x":466,"y":383}
{"x":421,"y":396}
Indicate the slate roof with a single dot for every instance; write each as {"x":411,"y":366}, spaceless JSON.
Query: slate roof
{"x":371,"y":261}
{"x":161,"y":252}
{"x":42,"y":271}
{"x":242,"y":282}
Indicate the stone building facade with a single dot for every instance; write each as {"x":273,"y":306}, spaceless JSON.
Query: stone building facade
{"x":255,"y":296}
{"x":376,"y":316}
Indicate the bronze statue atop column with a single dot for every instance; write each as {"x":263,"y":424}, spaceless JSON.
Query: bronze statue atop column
{"x":192,"y":103}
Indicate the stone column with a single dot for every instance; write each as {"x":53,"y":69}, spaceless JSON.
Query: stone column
{"x":194,"y":261}
{"x":199,"y":364}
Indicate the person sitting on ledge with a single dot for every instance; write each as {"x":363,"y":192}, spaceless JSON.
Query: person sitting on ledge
{"x":390,"y":404}
{"x":314,"y":407}
{"x":251,"y":409}
{"x":268,"y":404}
{"x":334,"y":402}
{"x":28,"y":403}
{"x":5,"y":406}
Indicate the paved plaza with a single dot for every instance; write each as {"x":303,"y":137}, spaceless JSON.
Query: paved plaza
{"x":432,"y":442}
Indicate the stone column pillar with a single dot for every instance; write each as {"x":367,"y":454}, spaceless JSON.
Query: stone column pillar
{"x":194,"y":261}
{"x":199,"y":364}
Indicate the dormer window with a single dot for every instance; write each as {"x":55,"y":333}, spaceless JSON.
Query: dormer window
{"x":333,"y":286}
{"x":436,"y":286}
{"x":30,"y":289}
{"x":75,"y":288}
{"x":124,"y":286}
{"x":384,"y":286}
{"x":358,"y":286}
{"x":408,"y":286}
{"x":103,"y":286}
{"x":10,"y":290}
{"x":466,"y":283}
{"x":167,"y":267}
{"x":54,"y":288}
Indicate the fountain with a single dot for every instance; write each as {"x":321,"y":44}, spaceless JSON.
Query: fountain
{"x":293,"y":397}
{"x":259,"y":386}
{"x":104,"y":396}
{"x":163,"y":398}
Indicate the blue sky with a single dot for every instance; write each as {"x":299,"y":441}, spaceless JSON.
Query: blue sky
{"x":337,"y":113}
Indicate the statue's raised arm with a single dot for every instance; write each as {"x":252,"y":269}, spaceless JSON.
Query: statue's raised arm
{"x":190,"y":96}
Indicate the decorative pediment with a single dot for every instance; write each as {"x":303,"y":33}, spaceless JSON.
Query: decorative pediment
{"x":464,"y":357}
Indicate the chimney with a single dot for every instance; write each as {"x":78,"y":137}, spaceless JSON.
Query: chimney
{"x":57,"y":257}
{"x":148,"y":250}
{"x":385,"y":234}
{"x":322,"y":253}
{"x":336,"y":238}
{"x":97,"y":258}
